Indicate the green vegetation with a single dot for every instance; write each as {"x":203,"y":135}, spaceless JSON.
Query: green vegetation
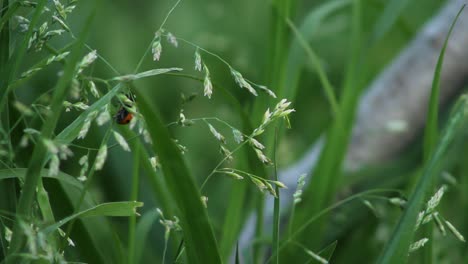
{"x":157,"y":132}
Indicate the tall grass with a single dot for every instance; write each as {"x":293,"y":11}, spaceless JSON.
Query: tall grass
{"x":68,"y":169}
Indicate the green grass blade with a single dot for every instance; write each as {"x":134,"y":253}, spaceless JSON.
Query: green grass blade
{"x":328,"y":251}
{"x":7,"y":74}
{"x":40,"y":151}
{"x":143,"y":229}
{"x":314,"y":59}
{"x":155,"y":179}
{"x":10,"y":11}
{"x":431,"y":130}
{"x":430,"y":138}
{"x":94,"y":229}
{"x":326,"y":176}
{"x":276,"y":207}
{"x":392,"y":11}
{"x":198,"y":234}
{"x":399,"y":252}
{"x":296,"y":59}
{"x":239,"y":198}
{"x":105,"y":209}
{"x":133,"y":197}
{"x":20,"y":173}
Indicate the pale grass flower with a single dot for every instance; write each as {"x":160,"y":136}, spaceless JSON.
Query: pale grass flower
{"x":262,"y":157}
{"x":216,"y":134}
{"x":54,"y":165}
{"x":242,"y":82}
{"x":156,"y":50}
{"x":172,"y":39}
{"x":87,"y":60}
{"x":418,"y":244}
{"x":435,"y":199}
{"x":121,"y":140}
{"x":198,"y":61}
{"x":238,"y":137}
{"x":154,"y":163}
{"x":256,"y":144}
{"x":103,"y":117}
{"x":101,"y":157}
{"x":207,"y":85}
{"x":84,"y":129}
{"x":92,"y":88}
{"x":226,"y":153}
{"x":51,"y":146}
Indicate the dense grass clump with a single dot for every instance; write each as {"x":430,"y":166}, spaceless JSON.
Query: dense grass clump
{"x":125,"y":143}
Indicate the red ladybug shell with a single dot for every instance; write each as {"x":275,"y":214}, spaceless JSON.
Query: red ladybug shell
{"x":123,"y":117}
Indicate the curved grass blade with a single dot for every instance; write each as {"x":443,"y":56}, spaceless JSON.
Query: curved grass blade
{"x":392,"y":11}
{"x":7,"y":74}
{"x":296,"y":59}
{"x":326,"y":175}
{"x":94,"y":229}
{"x":397,"y":248}
{"x":239,"y":197}
{"x":40,"y":151}
{"x":9,"y":13}
{"x":314,"y":59}
{"x":198,"y":234}
{"x":105,"y":209}
{"x":328,"y":251}
{"x":142,"y":231}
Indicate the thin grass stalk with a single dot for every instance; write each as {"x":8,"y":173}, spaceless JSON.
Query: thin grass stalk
{"x":276,"y":206}
{"x":279,"y":40}
{"x":133,"y":197}
{"x":396,"y":250}
{"x":230,"y":232}
{"x":90,"y":176}
{"x":8,"y":73}
{"x":200,"y":242}
{"x":327,"y":175}
{"x":33,"y":175}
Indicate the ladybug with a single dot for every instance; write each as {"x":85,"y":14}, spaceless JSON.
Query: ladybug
{"x":124,"y":116}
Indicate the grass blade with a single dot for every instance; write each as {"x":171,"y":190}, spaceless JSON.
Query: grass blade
{"x":142,"y":231}
{"x":94,"y":229}
{"x":7,"y":74}
{"x":296,"y":59}
{"x":276,"y":207}
{"x":328,"y":88}
{"x":392,"y":11}
{"x":327,"y":252}
{"x":198,"y":234}
{"x":105,"y":209}
{"x":397,"y":248}
{"x":133,"y":197}
{"x":326,"y":176}
{"x":37,"y":159}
